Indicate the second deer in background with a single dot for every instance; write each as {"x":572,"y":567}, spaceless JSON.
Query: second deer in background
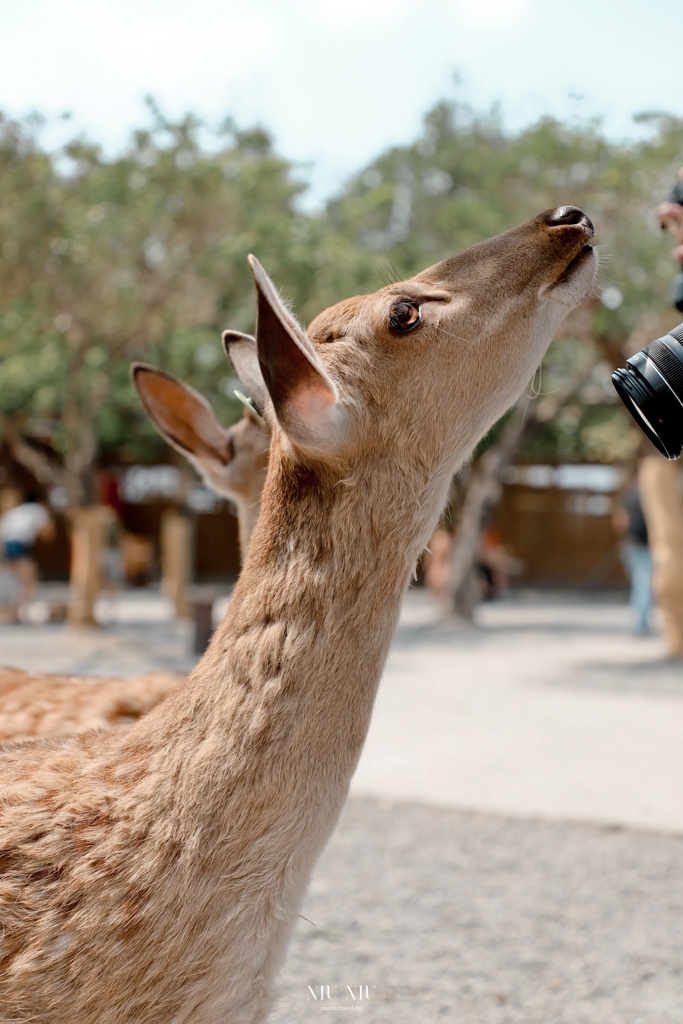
{"x":233,"y":463}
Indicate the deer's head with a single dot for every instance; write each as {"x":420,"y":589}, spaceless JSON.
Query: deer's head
{"x":420,"y":369}
{"x":232,"y":461}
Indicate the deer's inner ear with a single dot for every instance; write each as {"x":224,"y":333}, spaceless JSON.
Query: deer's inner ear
{"x":303,"y":396}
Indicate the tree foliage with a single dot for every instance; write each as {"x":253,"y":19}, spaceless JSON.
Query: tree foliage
{"x":140,"y":257}
{"x":465,"y":178}
{"x":143,"y":256}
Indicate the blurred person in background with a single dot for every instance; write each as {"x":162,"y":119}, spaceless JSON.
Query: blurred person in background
{"x":660,"y":481}
{"x":436,"y":561}
{"x":670,"y":215}
{"x":493,"y":567}
{"x":20,"y":528}
{"x":493,"y":563}
{"x":629,"y":524}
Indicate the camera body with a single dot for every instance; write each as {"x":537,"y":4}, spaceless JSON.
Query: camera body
{"x":676,"y":291}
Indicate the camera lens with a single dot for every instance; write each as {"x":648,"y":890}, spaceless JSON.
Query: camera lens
{"x":651,"y":388}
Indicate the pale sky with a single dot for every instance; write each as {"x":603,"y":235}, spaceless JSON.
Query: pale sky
{"x":337,"y":80}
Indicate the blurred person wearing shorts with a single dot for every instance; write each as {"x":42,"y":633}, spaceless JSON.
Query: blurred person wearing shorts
{"x":20,"y":528}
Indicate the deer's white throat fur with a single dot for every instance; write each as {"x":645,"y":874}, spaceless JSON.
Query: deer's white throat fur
{"x":155,"y":877}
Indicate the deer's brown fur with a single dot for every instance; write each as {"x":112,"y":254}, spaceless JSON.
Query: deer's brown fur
{"x":52,"y":704}
{"x":153,"y":875}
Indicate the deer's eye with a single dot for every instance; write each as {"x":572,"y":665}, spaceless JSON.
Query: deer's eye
{"x":404,"y":317}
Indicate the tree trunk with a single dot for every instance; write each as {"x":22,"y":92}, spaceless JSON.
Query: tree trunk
{"x":485,"y":490}
{"x":660,"y":491}
{"x":89,"y":527}
{"x":46,"y":471}
{"x":176,"y":558}
{"x":483,"y":493}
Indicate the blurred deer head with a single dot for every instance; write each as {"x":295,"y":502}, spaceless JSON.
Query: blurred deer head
{"x":232,"y":461}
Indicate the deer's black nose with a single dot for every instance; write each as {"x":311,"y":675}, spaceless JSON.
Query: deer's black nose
{"x":569,"y":215}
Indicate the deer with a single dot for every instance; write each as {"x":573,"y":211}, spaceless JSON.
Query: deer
{"x":233,"y":463}
{"x":154,"y":874}
{"x":54,"y":704}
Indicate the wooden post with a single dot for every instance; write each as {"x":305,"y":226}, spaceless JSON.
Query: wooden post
{"x":88,"y":531}
{"x":660,"y":493}
{"x":176,"y":558}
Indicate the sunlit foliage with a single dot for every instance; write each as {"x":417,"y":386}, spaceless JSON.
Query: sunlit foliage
{"x":143,"y":256}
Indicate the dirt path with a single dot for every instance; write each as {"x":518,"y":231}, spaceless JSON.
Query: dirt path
{"x":550,"y":707}
{"x":481,"y":919}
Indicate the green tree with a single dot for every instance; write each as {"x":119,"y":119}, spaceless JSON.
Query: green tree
{"x":139,"y":257}
{"x":466,"y":178}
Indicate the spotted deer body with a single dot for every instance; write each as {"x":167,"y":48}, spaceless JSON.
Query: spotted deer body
{"x":155,"y":876}
{"x":57,"y":704}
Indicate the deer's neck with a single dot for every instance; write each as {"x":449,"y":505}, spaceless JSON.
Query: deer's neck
{"x":277,"y":710}
{"x":252,"y":759}
{"x":320,"y":594}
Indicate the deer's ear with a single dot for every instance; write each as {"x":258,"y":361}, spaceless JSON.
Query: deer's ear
{"x":304,"y":398}
{"x":182,"y":416}
{"x":241,"y":351}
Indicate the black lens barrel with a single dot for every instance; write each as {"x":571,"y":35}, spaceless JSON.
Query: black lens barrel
{"x":651,"y":388}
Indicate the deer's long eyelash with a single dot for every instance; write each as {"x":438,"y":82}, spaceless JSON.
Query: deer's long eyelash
{"x":449,"y":334}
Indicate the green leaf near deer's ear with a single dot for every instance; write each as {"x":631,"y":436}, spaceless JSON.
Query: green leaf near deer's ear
{"x":241,"y":351}
{"x":246,"y":401}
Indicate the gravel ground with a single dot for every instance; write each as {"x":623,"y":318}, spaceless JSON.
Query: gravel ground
{"x":490,"y":908}
{"x":458,"y":916}
{"x":549,"y":708}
